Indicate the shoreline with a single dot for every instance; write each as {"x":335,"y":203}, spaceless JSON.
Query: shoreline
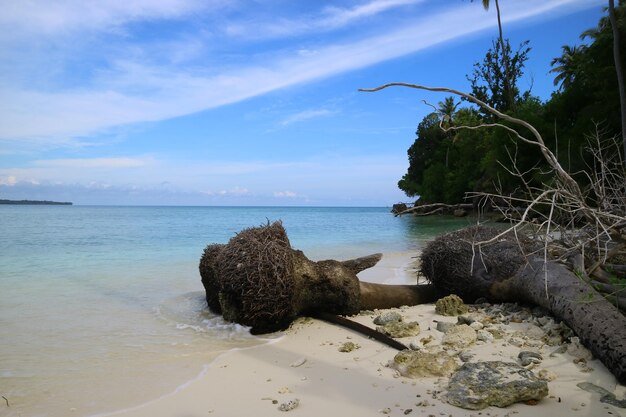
{"x":304,"y":365}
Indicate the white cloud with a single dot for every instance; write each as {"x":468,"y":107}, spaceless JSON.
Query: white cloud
{"x":133,"y":91}
{"x":340,"y":16}
{"x":285,"y":194}
{"x":304,"y":115}
{"x":237,"y":191}
{"x":9,"y":180}
{"x":91,"y":163}
{"x":330,"y":18}
{"x":62,"y":16}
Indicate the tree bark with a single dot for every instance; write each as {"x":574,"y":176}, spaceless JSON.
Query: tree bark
{"x":390,"y":296}
{"x":620,"y":72}
{"x":500,"y":272}
{"x":510,"y":98}
{"x":599,"y":324}
{"x":258,"y":280}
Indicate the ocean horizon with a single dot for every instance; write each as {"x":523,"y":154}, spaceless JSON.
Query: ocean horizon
{"x":102,"y":307}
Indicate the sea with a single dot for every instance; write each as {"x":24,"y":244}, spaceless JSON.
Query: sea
{"x":102,"y":308}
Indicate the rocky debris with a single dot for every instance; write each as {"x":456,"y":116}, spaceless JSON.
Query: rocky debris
{"x":444,"y":326}
{"x":476,"y":325}
{"x":417,"y":364}
{"x":348,"y":347}
{"x":496,"y":332}
{"x":400,"y":329}
{"x":415,"y":345}
{"x":484,"y":336}
{"x":387,"y":317}
{"x":546,"y":375}
{"x":297,"y":363}
{"x":466,"y":356}
{"x":535,"y":333}
{"x":450,"y":305}
{"x":578,"y":351}
{"x":527,"y":357}
{"x":606,"y":396}
{"x":478,"y":385}
{"x":289,"y":405}
{"x":466,"y":319}
{"x":459,"y":213}
{"x":459,"y":336}
{"x":399,"y":208}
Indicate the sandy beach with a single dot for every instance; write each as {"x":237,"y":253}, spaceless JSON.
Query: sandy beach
{"x":306,"y":372}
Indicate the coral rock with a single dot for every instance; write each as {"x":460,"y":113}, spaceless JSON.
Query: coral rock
{"x":478,"y":385}
{"x":400,"y":329}
{"x":451,"y":305}
{"x":417,"y":364}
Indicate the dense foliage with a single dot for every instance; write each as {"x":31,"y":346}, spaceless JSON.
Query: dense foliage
{"x":445,"y":164}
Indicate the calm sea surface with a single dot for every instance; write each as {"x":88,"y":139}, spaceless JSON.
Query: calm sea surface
{"x":102,"y":308}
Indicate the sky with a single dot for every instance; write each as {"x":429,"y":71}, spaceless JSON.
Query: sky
{"x":233,"y":102}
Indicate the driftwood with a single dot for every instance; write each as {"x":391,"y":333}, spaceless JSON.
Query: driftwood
{"x":258,"y":280}
{"x":503,"y":271}
{"x":435,"y":208}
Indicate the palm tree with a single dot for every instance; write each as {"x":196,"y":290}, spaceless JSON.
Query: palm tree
{"x":618,"y":69}
{"x":567,"y":65}
{"x":447,"y":108}
{"x":508,"y":90}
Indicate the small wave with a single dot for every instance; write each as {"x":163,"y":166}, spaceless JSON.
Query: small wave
{"x":190,"y":312}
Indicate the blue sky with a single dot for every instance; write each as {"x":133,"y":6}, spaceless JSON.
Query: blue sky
{"x":233,"y":102}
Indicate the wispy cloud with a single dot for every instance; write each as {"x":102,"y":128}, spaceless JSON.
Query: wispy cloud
{"x":285,"y":194}
{"x":329,"y":18}
{"x":305,"y":115}
{"x":134,"y":90}
{"x":336,"y":16}
{"x":63,"y":16}
{"x":92,"y":163}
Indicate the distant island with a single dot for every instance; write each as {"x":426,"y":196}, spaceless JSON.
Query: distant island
{"x":35,"y":202}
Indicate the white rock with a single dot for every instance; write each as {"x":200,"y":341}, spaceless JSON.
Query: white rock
{"x":289,"y":405}
{"x":297,"y":363}
{"x":461,"y":335}
{"x":484,"y":335}
{"x":477,"y":325}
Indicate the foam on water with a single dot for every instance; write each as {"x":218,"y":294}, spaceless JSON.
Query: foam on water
{"x":188,"y":311}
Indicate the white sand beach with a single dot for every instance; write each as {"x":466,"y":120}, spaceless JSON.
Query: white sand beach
{"x":306,"y":367}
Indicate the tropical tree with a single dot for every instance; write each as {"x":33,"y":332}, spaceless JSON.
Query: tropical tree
{"x":495,"y":84}
{"x":619,"y":70}
{"x":568,"y":66}
{"x":447,"y":108}
{"x":508,"y":90}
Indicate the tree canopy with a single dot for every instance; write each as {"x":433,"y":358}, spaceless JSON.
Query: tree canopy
{"x":446,"y":163}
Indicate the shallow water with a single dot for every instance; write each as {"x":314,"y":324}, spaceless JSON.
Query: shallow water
{"x":102,"y":308}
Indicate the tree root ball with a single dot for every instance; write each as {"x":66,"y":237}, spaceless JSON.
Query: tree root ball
{"x":250,"y":279}
{"x":258,"y":280}
{"x":454,"y":263}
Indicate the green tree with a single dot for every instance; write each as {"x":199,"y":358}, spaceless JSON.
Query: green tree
{"x":619,"y":70}
{"x":589,"y":95}
{"x":423,"y":152}
{"x":568,"y":66}
{"x":446,"y":109}
{"x":489,"y":81}
{"x":508,"y":83}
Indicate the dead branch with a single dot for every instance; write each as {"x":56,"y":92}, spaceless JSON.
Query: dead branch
{"x":565,"y":217}
{"x":428,"y":209}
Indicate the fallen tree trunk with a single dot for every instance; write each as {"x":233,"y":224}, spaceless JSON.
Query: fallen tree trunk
{"x":258,"y":280}
{"x":435,"y":208}
{"x":500,"y":271}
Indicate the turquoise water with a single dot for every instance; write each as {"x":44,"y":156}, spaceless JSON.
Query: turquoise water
{"x":99,"y":303}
